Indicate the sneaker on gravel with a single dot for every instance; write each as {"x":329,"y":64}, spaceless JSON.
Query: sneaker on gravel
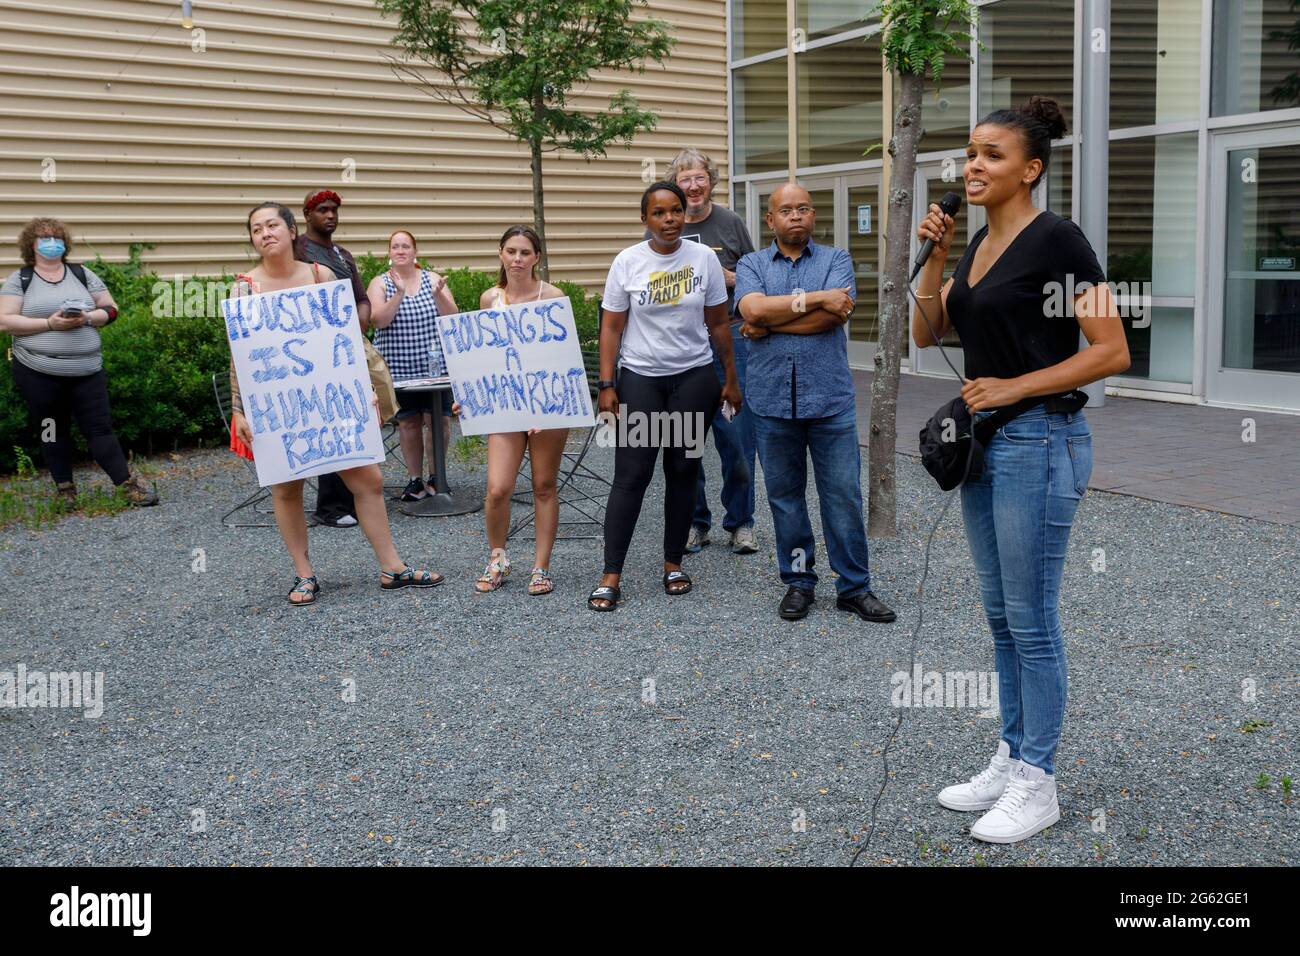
{"x":414,"y":490}
{"x":983,"y":789}
{"x":138,"y":494}
{"x":743,"y":541}
{"x":697,"y":539}
{"x":1027,"y":806}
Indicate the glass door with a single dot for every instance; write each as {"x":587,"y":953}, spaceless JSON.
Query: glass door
{"x":1253,"y":353}
{"x":865,"y":240}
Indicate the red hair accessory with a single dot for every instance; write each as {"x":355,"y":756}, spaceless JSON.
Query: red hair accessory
{"x":315,"y":199}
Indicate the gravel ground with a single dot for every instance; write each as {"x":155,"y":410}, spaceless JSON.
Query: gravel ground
{"x":510,"y":729}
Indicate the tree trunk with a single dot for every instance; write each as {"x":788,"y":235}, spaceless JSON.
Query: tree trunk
{"x":539,"y":208}
{"x":894,"y":312}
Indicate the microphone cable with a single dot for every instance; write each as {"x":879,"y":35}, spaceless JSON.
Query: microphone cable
{"x":920,"y":587}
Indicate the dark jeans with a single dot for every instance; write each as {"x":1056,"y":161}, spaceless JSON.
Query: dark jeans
{"x":734,"y":441}
{"x":333,"y":500}
{"x":694,"y":393}
{"x":784,"y":445}
{"x":60,"y":399}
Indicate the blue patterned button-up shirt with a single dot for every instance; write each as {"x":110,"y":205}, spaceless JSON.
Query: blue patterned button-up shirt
{"x":797,"y":376}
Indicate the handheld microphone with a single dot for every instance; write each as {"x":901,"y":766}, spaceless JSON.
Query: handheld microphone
{"x":950,"y":203}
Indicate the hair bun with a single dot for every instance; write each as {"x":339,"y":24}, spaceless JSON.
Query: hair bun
{"x":1048,"y":112}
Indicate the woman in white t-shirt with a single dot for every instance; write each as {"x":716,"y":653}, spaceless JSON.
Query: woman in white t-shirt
{"x":664,"y":299}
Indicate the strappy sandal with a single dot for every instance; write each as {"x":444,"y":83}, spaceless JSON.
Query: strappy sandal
{"x":408,"y":577}
{"x":606,"y":592}
{"x":677,"y":577}
{"x":308,"y":586}
{"x":539,"y":582}
{"x":494,"y":573}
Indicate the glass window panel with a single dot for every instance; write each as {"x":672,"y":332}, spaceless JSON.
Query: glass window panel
{"x":1153,"y":194}
{"x":760,"y":117}
{"x":757,"y":26}
{"x":1028,"y":50}
{"x":823,"y":18}
{"x":1261,"y":316}
{"x":1060,"y":182}
{"x":1256,"y":56}
{"x":841,"y":102}
{"x":1155,"y":63}
{"x":945,"y":114}
{"x":864,"y":249}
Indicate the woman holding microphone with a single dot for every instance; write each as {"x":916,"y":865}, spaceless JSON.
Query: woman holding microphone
{"x":1020,"y":352}
{"x":272,"y":230}
{"x":664,"y":300}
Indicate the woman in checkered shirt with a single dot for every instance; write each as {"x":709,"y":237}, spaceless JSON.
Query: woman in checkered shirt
{"x":405,"y":304}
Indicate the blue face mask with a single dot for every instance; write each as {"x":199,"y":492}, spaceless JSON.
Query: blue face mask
{"x":51,"y":247}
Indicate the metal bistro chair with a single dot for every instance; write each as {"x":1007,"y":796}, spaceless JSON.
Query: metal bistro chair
{"x":588,"y":501}
{"x":221,"y":391}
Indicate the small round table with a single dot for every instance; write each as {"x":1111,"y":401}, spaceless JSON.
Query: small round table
{"x":445,"y":501}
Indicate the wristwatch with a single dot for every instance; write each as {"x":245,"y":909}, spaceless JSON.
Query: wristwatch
{"x":604,"y":383}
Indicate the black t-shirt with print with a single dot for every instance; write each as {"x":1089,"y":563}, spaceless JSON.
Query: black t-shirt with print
{"x":1019,"y":318}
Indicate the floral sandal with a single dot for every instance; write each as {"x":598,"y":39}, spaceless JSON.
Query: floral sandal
{"x":409,"y":577}
{"x":309,"y":586}
{"x":494,"y":573}
{"x":539,"y":582}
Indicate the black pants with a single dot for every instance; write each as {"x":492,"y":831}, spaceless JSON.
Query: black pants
{"x":694,"y":394}
{"x":59,"y":399}
{"x":333,"y":500}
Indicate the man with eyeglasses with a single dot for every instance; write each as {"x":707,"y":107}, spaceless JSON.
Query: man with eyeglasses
{"x":725,"y":233}
{"x":794,"y":298}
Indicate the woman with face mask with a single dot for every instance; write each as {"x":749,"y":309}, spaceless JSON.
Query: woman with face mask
{"x":54,"y":310}
{"x":405,"y":304}
{"x":272,"y":230}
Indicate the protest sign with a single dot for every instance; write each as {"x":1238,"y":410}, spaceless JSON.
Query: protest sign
{"x":516,"y":367}
{"x":304,"y":381}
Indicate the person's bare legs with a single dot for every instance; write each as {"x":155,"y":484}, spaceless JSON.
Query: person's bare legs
{"x":367,"y":486}
{"x":292,"y":524}
{"x":409,"y":430}
{"x":505,"y":452}
{"x":546,"y":449}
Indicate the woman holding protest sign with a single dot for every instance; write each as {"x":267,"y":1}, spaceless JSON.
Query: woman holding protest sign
{"x":520,"y":250}
{"x":405,"y":304}
{"x":665,"y":299}
{"x":272,"y":230}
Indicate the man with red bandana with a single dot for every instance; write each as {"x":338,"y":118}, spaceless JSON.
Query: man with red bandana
{"x":334,"y":505}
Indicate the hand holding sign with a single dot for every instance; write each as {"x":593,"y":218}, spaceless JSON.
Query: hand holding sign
{"x":516,"y":368}
{"x":301,"y":366}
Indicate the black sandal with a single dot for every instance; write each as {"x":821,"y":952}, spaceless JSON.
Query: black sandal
{"x":408,"y":577}
{"x":676,"y":577}
{"x":304,"y":586}
{"x":605,"y":592}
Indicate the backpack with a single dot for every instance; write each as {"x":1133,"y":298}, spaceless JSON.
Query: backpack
{"x":27,"y":273}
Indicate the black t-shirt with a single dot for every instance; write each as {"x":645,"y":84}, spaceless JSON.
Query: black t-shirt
{"x":1014,"y":321}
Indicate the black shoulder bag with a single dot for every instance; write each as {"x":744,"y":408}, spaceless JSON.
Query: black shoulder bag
{"x":948,"y":439}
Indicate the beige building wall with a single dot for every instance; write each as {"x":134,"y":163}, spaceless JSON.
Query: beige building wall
{"x":130,"y":127}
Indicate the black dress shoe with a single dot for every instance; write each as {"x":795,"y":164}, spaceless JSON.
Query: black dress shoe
{"x":866,"y":606}
{"x":795,"y":604}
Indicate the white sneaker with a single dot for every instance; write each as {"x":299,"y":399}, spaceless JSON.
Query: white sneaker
{"x":985,"y":787}
{"x":1027,"y":806}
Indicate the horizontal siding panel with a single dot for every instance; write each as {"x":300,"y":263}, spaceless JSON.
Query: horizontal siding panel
{"x":157,"y":143}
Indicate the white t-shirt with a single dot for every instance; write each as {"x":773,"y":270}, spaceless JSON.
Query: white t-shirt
{"x":665,"y":297}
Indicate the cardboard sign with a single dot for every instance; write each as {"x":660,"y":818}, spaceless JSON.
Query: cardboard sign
{"x":304,"y":380}
{"x":516,"y":367}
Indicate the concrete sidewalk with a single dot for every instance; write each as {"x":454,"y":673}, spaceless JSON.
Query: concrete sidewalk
{"x":1192,"y":455}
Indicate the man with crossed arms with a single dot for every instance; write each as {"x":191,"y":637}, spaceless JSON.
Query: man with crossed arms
{"x":794,"y":298}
